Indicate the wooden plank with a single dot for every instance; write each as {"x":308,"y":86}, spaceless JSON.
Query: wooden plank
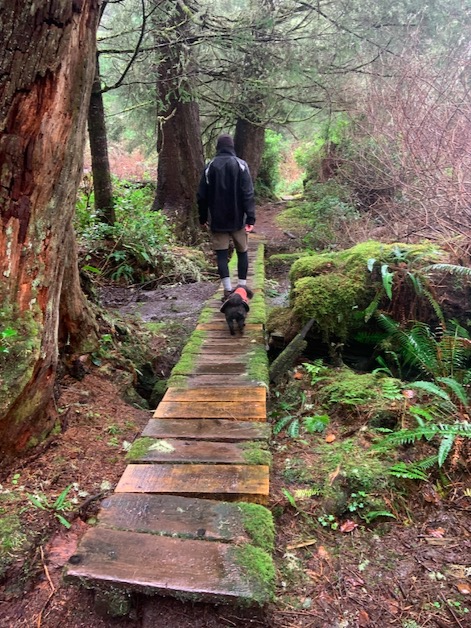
{"x":229,"y":368}
{"x":239,"y":410}
{"x":196,"y":479}
{"x":205,"y":380}
{"x":207,"y":429}
{"x":172,"y":515}
{"x":160,"y":564}
{"x":218,"y":325}
{"x":178,"y":451}
{"x":211,"y":394}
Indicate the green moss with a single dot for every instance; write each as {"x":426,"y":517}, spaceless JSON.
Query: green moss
{"x":256,"y":453}
{"x":259,"y":268}
{"x":332,"y":301}
{"x":335,"y":288}
{"x":12,"y":536}
{"x":283,"y":260}
{"x":178,"y":381}
{"x":22,"y":352}
{"x":259,"y":570}
{"x":139,"y":448}
{"x":206,"y":315}
{"x":257,"y":312}
{"x":259,"y":525}
{"x":279,"y":319}
{"x":258,"y":365}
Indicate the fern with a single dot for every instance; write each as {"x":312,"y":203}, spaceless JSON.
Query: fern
{"x":431,"y":388}
{"x":282,"y":423}
{"x":453,"y":269}
{"x":413,"y":470}
{"x":446,"y":433}
{"x":316,"y":423}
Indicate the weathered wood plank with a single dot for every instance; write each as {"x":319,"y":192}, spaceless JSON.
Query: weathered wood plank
{"x":218,"y":325}
{"x":238,"y":410}
{"x":207,"y":429}
{"x":205,"y":380}
{"x":172,"y":515}
{"x":215,"y":394}
{"x":196,"y":479}
{"x":147,"y":562}
{"x":179,"y":451}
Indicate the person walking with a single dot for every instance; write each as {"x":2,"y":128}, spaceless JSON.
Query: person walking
{"x":226,"y":205}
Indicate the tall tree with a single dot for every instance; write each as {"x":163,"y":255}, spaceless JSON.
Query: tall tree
{"x":98,"y":139}
{"x":47,"y":64}
{"x":179,"y":144}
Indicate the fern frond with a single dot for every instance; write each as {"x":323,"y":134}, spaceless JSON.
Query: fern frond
{"x":445,"y":448}
{"x":453,"y":269}
{"x":407,"y":471}
{"x":293,"y":428}
{"x":281,"y":423}
{"x":457,"y":389}
{"x":432,"y":389}
{"x":373,"y":306}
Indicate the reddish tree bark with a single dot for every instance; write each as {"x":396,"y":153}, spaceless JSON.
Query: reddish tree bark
{"x":47,"y":64}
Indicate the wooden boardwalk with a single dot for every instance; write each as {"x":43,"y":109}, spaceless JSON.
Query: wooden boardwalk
{"x":187,"y":516}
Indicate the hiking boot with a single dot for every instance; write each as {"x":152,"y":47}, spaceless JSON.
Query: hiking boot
{"x":226,"y":294}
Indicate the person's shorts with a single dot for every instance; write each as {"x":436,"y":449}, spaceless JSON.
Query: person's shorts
{"x":221,"y":241}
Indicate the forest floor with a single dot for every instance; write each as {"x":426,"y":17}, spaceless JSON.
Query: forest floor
{"x":410,"y":573}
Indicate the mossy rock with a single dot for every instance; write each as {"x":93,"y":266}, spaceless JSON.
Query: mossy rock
{"x":282,"y":261}
{"x":335,"y":288}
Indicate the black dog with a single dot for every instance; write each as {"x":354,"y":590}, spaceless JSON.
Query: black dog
{"x":236,"y":307}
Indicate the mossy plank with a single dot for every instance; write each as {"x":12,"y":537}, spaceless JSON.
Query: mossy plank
{"x":239,"y":410}
{"x":196,"y":479}
{"x":179,"y":451}
{"x":172,"y":515}
{"x":216,"y":394}
{"x":158,"y":564}
{"x":207,"y":429}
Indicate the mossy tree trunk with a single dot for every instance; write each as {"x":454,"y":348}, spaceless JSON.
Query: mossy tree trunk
{"x":47,"y":64}
{"x":179,"y":145}
{"x":102,"y":187}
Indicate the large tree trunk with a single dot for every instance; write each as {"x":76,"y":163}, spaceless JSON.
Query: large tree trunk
{"x":47,"y":63}
{"x":249,"y":141}
{"x":102,"y":187}
{"x":179,"y":147}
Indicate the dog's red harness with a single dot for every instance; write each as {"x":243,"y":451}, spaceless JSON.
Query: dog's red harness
{"x":242,"y":292}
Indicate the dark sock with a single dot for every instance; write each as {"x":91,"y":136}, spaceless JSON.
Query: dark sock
{"x":223,"y":265}
{"x":242,"y":265}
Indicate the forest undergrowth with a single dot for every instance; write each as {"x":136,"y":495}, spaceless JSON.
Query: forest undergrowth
{"x":370,"y":484}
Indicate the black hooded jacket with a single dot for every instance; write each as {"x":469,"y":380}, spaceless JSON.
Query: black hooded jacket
{"x":226,"y":194}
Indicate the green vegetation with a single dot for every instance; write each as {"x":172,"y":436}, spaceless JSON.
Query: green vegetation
{"x":139,"y":247}
{"x":256,"y":453}
{"x":259,"y":570}
{"x":259,"y":525}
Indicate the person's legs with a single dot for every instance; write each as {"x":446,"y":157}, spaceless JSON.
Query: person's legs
{"x":223,"y":268}
{"x":220,"y":244}
{"x":241,"y":243}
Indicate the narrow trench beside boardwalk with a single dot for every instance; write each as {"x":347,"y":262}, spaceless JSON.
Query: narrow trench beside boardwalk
{"x":186,"y":518}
